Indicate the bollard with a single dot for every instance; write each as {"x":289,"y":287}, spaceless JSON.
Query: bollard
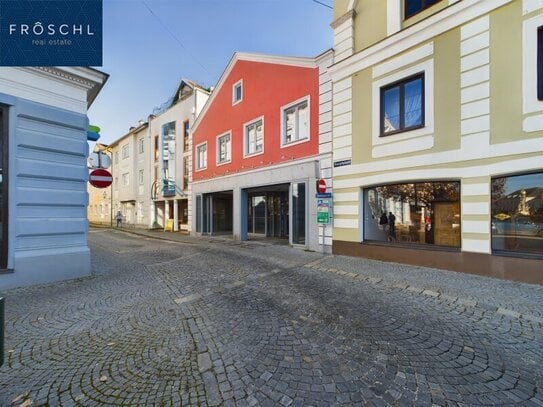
{"x":1,"y":331}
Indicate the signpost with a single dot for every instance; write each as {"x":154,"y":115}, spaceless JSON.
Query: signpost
{"x":100,"y":178}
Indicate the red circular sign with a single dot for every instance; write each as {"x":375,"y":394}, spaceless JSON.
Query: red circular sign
{"x":100,"y":178}
{"x":321,"y":186}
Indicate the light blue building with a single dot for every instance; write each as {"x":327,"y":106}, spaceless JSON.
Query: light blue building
{"x":43,"y":172}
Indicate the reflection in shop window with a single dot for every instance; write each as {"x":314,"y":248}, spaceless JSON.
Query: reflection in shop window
{"x":416,"y":213}
{"x":517,"y":214}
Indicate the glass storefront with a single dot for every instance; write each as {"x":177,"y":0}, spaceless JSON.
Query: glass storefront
{"x":426,"y":213}
{"x":517,"y":214}
{"x":298,"y":213}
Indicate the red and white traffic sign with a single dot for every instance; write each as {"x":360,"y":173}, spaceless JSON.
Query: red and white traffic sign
{"x":100,"y":178}
{"x":321,"y":186}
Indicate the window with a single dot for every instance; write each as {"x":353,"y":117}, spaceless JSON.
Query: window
{"x":295,"y":122}
{"x":126,"y":179}
{"x":254,"y":137}
{"x":157,"y":151}
{"x":141,"y":145}
{"x":540,"y":63}
{"x":298,"y":213}
{"x":186,"y":136}
{"x":402,"y":105}
{"x":517,"y":214}
{"x":224,"y":149}
{"x":125,"y":151}
{"x":201,"y":156}
{"x":140,"y":177}
{"x":424,"y":213}
{"x":185,"y":173}
{"x":237,"y":92}
{"x":413,"y":7}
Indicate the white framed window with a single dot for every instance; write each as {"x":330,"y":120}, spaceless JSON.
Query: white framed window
{"x":201,"y":156}
{"x":420,"y":137}
{"x":224,"y":148}
{"x":237,"y":92}
{"x":126,"y":179}
{"x":141,"y":145}
{"x":295,"y":119}
{"x":532,"y":70}
{"x":140,"y":177}
{"x":125,"y":151}
{"x":253,"y":137}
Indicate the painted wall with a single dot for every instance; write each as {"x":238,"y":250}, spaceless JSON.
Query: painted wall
{"x":266,"y":88}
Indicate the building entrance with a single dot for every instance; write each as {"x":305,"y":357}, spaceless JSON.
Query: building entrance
{"x":269,"y":212}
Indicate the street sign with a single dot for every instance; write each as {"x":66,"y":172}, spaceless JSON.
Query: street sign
{"x":100,"y":178}
{"x":321,"y":186}
{"x":325,"y":195}
{"x":99,"y":159}
{"x":323,"y":211}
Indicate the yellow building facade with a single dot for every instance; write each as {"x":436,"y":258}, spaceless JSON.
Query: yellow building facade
{"x":438,"y":134}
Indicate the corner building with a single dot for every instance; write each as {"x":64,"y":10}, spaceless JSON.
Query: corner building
{"x":438,"y":134}
{"x":260,"y":144}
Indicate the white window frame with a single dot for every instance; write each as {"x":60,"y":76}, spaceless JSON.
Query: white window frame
{"x":126,"y":179}
{"x":234,"y":86}
{"x":141,"y":145}
{"x":197,"y":156}
{"x":284,"y":108}
{"x":125,"y":150}
{"x":529,"y":65}
{"x":426,"y":67}
{"x":246,"y":153}
{"x":141,"y":177}
{"x":228,"y":148}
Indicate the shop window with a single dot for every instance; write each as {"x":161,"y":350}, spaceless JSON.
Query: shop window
{"x":413,"y":7}
{"x":3,"y":188}
{"x":224,"y":149}
{"x":402,"y":105}
{"x":254,"y":137}
{"x":424,"y":213}
{"x":517,"y":214}
{"x":298,"y":213}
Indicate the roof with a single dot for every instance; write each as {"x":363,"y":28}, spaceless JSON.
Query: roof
{"x":304,"y":62}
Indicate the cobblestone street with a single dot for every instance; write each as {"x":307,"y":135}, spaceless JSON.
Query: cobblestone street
{"x":205,"y":322}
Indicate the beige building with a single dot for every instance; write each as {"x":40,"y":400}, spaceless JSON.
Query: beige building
{"x":438,"y":134}
{"x":99,"y":208}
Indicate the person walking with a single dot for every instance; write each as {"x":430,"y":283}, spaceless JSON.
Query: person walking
{"x":391,"y":224}
{"x":119,"y":219}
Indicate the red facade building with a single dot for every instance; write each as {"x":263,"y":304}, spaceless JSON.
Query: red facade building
{"x":258,"y":149}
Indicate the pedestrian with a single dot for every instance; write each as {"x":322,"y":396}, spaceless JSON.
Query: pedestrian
{"x":119,"y":219}
{"x":392,"y":224}
{"x":383,"y":221}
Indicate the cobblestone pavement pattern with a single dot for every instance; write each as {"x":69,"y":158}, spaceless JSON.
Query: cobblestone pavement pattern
{"x":212,"y":323}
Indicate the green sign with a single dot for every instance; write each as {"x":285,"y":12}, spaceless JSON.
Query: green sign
{"x":323,"y":211}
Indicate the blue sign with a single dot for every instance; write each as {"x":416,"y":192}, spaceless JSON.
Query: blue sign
{"x":325,"y":195}
{"x":50,"y":33}
{"x":342,"y":163}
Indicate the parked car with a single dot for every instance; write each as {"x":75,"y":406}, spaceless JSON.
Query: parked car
{"x":520,"y":226}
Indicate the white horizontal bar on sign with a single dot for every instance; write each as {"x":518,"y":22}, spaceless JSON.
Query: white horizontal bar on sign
{"x":476,"y":245}
{"x":482,"y":188}
{"x":346,"y":223}
{"x":475,"y":27}
{"x":475,"y":208}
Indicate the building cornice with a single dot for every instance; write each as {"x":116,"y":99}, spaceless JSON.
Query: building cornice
{"x":453,"y":16}
{"x":349,"y":15}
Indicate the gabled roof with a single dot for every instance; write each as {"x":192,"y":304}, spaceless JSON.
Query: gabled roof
{"x":186,"y":83}
{"x":302,"y":62}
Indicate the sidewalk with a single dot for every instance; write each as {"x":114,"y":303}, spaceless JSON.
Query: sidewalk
{"x":516,"y":300}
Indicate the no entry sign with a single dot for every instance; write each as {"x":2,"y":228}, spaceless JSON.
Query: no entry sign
{"x":100,"y":178}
